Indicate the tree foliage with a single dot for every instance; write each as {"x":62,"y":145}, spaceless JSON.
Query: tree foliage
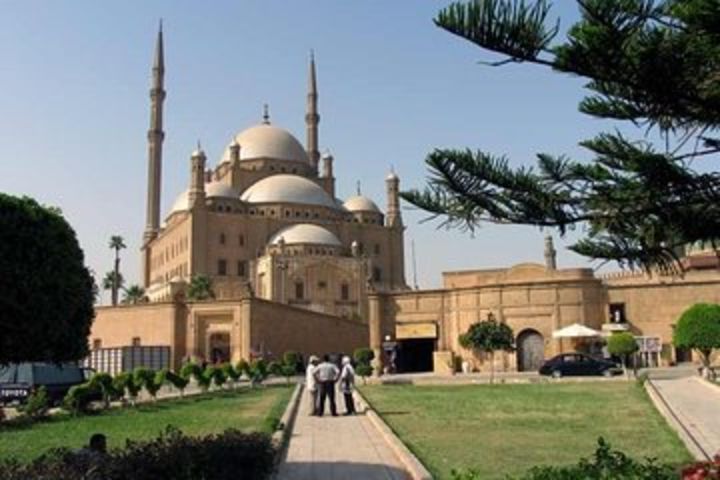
{"x":46,"y":295}
{"x":699,"y":328}
{"x":622,"y":343}
{"x":488,"y":336}
{"x":134,"y":294}
{"x":200,"y":288}
{"x":655,"y":64}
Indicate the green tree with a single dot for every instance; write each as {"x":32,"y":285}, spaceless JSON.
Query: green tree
{"x":363,"y":358}
{"x":488,"y":337}
{"x":178,"y":381}
{"x":623,"y":345}
{"x":654,"y":64}
{"x":134,"y":294}
{"x":116,"y":243}
{"x":200,"y":288}
{"x":232,"y":374}
{"x":111,"y":280}
{"x":699,"y":329}
{"x":46,"y":292}
{"x":103,"y":382}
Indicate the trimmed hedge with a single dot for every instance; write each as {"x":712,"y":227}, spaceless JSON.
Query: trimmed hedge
{"x":172,"y":456}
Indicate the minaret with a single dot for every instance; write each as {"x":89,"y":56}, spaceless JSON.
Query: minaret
{"x":155,"y":141}
{"x":312,"y":118}
{"x":393,"y":218}
{"x":550,"y":253}
{"x":196,"y":194}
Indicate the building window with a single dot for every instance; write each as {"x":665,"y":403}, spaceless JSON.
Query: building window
{"x":222,"y":267}
{"x":136,"y":341}
{"x":222,"y":239}
{"x":617,"y":313}
{"x":97,"y":344}
{"x":241,"y":268}
{"x":377,"y":274}
{"x":241,"y":240}
{"x":345,"y":292}
{"x":377,"y":249}
{"x":299,"y":290}
{"x":322,"y":284}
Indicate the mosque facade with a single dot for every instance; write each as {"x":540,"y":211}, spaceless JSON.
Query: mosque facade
{"x":294,"y":267}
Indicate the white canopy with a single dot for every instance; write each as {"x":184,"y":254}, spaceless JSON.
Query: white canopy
{"x":575,"y":330}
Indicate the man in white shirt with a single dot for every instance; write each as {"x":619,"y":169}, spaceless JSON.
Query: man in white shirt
{"x":326,"y":374}
{"x":311,"y":384}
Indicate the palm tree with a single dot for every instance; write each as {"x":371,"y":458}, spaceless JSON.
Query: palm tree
{"x":116,"y":243}
{"x":200,"y":288}
{"x":112,"y":281}
{"x":133,"y":294}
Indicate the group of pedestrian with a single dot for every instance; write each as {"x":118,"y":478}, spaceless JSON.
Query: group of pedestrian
{"x":321,"y":379}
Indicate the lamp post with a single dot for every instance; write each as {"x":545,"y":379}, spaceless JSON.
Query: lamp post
{"x":282,"y":265}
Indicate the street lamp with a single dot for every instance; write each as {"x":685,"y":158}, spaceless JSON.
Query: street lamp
{"x":490,"y":317}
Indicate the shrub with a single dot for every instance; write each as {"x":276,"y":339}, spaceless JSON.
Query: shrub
{"x":145,"y":377}
{"x":229,"y":455}
{"x":364,"y":371}
{"x":218,"y":376}
{"x":105,"y":384}
{"x":606,"y":464}
{"x":190,"y":370}
{"x":364,"y":356}
{"x":2,"y":414}
{"x":275,"y":368}
{"x":204,"y":378}
{"x":699,"y":328}
{"x":78,"y":399}
{"x":125,"y":381}
{"x":243,"y":368}
{"x":231,"y":373}
{"x":288,"y":370}
{"x":178,"y":381}
{"x":37,"y":404}
{"x":258,"y":371}
{"x":292,"y":359}
{"x":622,"y":344}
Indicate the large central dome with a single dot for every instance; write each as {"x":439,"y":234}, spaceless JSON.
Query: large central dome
{"x":284,"y":188}
{"x":268,"y":141}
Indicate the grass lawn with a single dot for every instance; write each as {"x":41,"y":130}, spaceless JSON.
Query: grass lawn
{"x":245,"y":410}
{"x":505,"y":429}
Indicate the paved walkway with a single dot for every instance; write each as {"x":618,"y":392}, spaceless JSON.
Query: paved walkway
{"x":696,"y":405}
{"x":337,"y":448}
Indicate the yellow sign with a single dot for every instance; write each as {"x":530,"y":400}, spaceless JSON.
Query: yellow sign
{"x":405,"y":331}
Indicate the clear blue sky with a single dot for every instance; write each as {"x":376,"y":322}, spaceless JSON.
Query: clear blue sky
{"x":74,"y":79}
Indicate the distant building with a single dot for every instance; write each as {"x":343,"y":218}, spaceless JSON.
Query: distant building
{"x":293,"y":267}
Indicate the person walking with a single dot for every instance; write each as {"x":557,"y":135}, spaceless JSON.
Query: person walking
{"x":347,"y":385}
{"x":311,"y":383}
{"x":326,"y":374}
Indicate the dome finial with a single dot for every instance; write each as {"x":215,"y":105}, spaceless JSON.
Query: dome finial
{"x":266,"y":114}
{"x":358,"y":188}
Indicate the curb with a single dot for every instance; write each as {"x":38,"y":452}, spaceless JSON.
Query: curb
{"x":281,"y":436}
{"x":664,"y":408}
{"x":707,"y":382}
{"x":414,"y":467}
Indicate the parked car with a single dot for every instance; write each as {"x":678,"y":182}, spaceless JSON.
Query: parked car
{"x":567,"y":364}
{"x":18,"y":380}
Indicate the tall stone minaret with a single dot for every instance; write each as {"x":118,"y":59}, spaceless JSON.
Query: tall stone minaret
{"x":312,"y":118}
{"x":550,"y":253}
{"x":155,"y":141}
{"x":392,"y":184}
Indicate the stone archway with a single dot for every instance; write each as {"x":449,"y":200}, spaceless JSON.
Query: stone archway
{"x":530,"y":350}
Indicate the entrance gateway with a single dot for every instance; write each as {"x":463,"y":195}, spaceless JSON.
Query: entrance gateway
{"x":416,"y":344}
{"x":530,"y":351}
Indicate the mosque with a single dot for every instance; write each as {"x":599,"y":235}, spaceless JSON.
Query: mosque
{"x":294,"y":267}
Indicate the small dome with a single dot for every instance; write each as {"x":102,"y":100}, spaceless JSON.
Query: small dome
{"x":268,"y":141}
{"x":391,"y":176}
{"x":303,"y":233}
{"x":212,"y":190}
{"x":359,"y":203}
{"x":284,"y":188}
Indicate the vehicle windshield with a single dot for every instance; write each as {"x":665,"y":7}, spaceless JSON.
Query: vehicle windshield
{"x":7,"y":373}
{"x":49,"y":373}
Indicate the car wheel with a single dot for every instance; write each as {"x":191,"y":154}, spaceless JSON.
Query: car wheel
{"x":607,"y":373}
{"x":556,"y":374}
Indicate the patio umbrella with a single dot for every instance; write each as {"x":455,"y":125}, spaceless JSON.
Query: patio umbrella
{"x":575,"y":331}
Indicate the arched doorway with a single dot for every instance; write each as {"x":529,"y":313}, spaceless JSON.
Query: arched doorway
{"x":530,"y":350}
{"x":219,"y":347}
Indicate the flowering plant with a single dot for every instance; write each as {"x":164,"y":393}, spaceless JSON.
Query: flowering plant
{"x":703,"y":470}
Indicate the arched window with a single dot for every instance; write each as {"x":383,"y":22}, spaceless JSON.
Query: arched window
{"x":241,"y":240}
{"x":345,"y":292}
{"x":299,"y":290}
{"x":222,"y":239}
